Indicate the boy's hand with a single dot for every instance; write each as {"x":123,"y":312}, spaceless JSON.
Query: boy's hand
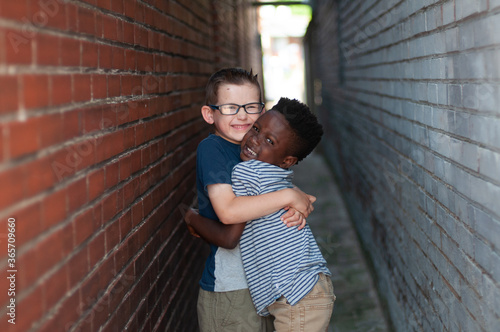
{"x":303,"y":202}
{"x":187,"y":219}
{"x":293,"y":218}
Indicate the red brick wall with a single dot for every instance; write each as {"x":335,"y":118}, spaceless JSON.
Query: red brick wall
{"x":99,"y":123}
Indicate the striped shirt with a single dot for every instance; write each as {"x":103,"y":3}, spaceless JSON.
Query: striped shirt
{"x":278,"y":260}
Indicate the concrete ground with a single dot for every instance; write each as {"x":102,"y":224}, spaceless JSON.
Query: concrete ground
{"x":357,"y":307}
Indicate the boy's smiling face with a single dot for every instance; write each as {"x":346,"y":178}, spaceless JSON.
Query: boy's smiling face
{"x":233,"y":127}
{"x":269,"y":141}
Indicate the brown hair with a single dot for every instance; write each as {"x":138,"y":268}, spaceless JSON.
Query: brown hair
{"x":235,"y":76}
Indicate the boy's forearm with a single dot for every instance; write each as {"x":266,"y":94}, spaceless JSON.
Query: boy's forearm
{"x":214,"y":232}
{"x":245,"y":208}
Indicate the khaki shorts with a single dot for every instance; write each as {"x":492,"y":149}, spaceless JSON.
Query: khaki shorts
{"x":230,"y":312}
{"x":312,"y":313}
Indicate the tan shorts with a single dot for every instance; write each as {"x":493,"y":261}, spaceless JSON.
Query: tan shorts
{"x":230,"y":312}
{"x":312,"y":313}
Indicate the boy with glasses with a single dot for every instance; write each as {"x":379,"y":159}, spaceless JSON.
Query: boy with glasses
{"x":233,"y":103}
{"x":295,"y":289}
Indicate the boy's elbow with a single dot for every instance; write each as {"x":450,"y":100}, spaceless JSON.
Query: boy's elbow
{"x":227,"y":218}
{"x":226,"y":221}
{"x":228,"y":242}
{"x":231,"y":244}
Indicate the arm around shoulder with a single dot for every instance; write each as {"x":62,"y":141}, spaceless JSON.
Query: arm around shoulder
{"x":214,"y":232}
{"x":233,"y":210}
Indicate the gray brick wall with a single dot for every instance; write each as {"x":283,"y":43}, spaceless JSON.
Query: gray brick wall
{"x":409,"y":93}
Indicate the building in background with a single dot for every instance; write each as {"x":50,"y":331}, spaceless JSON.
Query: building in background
{"x":282,"y":28}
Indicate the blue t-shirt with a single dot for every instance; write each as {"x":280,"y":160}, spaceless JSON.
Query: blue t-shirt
{"x":215,"y":160}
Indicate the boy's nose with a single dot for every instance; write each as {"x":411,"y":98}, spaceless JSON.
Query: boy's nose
{"x":254,"y":139}
{"x":241,"y":113}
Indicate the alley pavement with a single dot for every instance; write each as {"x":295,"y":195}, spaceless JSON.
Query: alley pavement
{"x":357,"y":307}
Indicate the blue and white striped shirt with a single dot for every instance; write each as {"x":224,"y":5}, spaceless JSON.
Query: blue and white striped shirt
{"x":278,"y":260}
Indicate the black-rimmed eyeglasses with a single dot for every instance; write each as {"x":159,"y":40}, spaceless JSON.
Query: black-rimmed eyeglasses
{"x":232,"y":109}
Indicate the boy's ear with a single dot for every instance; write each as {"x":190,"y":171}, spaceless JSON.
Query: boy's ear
{"x":289,"y":162}
{"x":208,"y":114}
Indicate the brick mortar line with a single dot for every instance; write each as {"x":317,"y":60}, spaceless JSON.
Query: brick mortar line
{"x":77,"y":35}
{"x":349,"y":18}
{"x":446,"y":245}
{"x":461,"y":276}
{"x":160,"y":251}
{"x":485,"y":13}
{"x":440,"y":204}
{"x":445,"y":55}
{"x":402,"y":266}
{"x":421,"y":10}
{"x":476,"y":16}
{"x":159,"y":301}
{"x":27,"y":201}
{"x":26,"y":247}
{"x":128,"y":19}
{"x":354,"y":20}
{"x":431,"y":261}
{"x":47,"y":233}
{"x":131,"y":260}
{"x":200,"y":18}
{"x":454,"y":81}
{"x":121,"y":101}
{"x":444,"y":158}
{"x":35,"y":68}
{"x":430,"y":195}
{"x":462,"y":110}
{"x":97,"y":135}
{"x":71,"y":106}
{"x":441,"y":131}
{"x":450,"y":134}
{"x":424,"y":190}
{"x":459,"y":166}
{"x":377,"y":259}
{"x":166,"y":242}
{"x":363,"y":170}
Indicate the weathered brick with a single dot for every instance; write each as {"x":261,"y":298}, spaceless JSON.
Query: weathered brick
{"x":451,"y":39}
{"x":9,"y":93}
{"x":488,"y":163}
{"x":47,"y":51}
{"x":465,"y":8}
{"x":448,"y":12}
{"x":84,"y":96}
{"x":488,"y":96}
{"x":453,"y":128}
{"x":455,"y":95}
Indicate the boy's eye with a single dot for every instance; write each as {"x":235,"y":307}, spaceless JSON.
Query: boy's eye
{"x":255,"y":128}
{"x":269,"y":141}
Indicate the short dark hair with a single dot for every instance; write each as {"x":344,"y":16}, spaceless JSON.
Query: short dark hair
{"x":307,"y":130}
{"x":235,"y":76}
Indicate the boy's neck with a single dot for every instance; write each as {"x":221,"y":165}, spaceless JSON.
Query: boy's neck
{"x":224,"y":138}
